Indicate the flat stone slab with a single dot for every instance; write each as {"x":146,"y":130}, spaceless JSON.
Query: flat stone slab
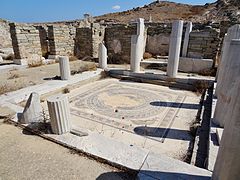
{"x":113,"y":151}
{"x":158,"y":166}
{"x":23,"y":94}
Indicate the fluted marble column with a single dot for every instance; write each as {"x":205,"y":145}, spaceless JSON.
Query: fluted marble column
{"x":102,"y":56}
{"x":58,"y":107}
{"x":64,"y":66}
{"x":186,"y":39}
{"x":174,"y":49}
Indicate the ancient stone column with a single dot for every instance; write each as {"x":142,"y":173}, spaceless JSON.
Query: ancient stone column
{"x":64,"y":66}
{"x":33,"y":110}
{"x":102,"y":56}
{"x":174,"y":49}
{"x":231,"y":75}
{"x":227,"y":165}
{"x":186,"y":39}
{"x":233,"y":33}
{"x":59,"y":112}
{"x":137,"y":46}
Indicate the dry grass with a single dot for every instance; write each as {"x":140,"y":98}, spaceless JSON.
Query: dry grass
{"x":208,"y":72}
{"x":86,"y":67}
{"x":14,"y":76}
{"x":147,"y":55}
{"x":73,"y":58}
{"x":35,"y":64}
{"x":5,"y":88}
{"x":66,"y":91}
{"x":200,"y":86}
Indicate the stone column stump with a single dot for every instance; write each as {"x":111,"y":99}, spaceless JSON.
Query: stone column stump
{"x":102,"y":56}
{"x":64,"y":66}
{"x":59,"y":111}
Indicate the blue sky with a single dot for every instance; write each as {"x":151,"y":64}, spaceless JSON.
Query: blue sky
{"x":57,"y":10}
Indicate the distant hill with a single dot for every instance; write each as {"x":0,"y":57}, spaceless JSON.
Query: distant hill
{"x":165,"y":11}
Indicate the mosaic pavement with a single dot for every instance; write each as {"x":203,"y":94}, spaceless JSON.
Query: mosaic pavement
{"x":129,"y":107}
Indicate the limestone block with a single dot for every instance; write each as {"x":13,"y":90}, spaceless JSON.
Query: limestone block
{"x":102,"y":56}
{"x":33,"y":110}
{"x":186,"y":39}
{"x":64,"y":66}
{"x":194,"y":65}
{"x":174,"y":49}
{"x":233,"y":33}
{"x":22,"y":62}
{"x":59,"y":112}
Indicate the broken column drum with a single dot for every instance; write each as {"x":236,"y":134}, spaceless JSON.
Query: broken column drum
{"x":59,"y":112}
{"x":64,"y":66}
{"x":102,"y":56}
{"x":174,"y":49}
{"x":33,"y":110}
{"x":186,"y":39}
{"x":137,"y":46}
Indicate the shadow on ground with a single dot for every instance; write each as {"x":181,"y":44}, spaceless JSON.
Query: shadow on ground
{"x":174,"y":105}
{"x":163,"y":133}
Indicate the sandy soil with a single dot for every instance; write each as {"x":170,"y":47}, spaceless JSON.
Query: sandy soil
{"x":26,"y":156}
{"x":15,"y":79}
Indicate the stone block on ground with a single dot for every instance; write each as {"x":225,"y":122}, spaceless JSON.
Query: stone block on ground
{"x":33,"y":110}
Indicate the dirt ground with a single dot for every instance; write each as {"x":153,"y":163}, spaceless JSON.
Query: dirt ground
{"x":26,"y":156}
{"x":15,"y":79}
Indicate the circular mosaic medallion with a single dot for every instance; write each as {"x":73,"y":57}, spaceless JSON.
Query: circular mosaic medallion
{"x":128,"y":103}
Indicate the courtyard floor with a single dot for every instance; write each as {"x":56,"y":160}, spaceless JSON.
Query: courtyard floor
{"x":152,"y":117}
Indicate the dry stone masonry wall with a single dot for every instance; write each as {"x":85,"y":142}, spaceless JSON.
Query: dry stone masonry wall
{"x":33,"y":40}
{"x":26,"y":42}
{"x":204,"y":44}
{"x":118,"y":42}
{"x":61,"y":39}
{"x":88,"y":40}
{"x":5,"y":36}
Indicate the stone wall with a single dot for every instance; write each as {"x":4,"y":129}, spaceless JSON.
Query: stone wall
{"x":26,"y":42}
{"x":118,"y":42}
{"x":158,"y":36}
{"x":88,"y":39}
{"x":43,"y":34}
{"x":5,"y":36}
{"x":61,"y":39}
{"x":204,"y":44}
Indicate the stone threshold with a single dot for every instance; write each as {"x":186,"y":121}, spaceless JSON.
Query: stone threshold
{"x":182,"y":82}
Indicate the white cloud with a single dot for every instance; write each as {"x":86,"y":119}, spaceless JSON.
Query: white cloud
{"x":116,"y":7}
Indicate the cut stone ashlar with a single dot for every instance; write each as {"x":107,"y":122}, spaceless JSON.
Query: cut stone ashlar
{"x":59,"y":112}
